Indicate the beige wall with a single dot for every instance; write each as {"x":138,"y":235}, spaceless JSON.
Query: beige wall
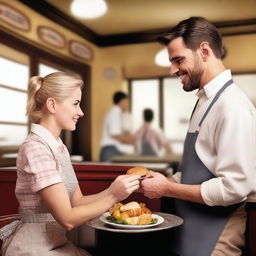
{"x":128,"y":61}
{"x":241,"y":53}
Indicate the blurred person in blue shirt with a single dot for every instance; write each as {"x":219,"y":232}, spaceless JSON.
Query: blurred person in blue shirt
{"x":114,"y":138}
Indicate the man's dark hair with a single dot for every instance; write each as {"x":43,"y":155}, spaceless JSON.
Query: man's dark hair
{"x":194,"y":31}
{"x":148,"y":115}
{"x":118,"y":96}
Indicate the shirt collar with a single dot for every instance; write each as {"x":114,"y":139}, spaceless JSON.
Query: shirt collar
{"x":215,"y":84}
{"x":46,"y":135}
{"x":117,"y":108}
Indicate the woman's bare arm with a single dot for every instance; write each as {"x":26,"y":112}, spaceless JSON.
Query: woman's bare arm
{"x":57,"y":200}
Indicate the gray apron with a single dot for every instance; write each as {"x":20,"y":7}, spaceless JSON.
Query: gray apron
{"x":203,"y":224}
{"x":146,"y":147}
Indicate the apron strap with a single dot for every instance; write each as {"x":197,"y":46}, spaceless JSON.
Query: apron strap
{"x":194,"y":109}
{"x":215,"y":99}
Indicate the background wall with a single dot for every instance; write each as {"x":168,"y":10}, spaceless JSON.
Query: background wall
{"x":126,"y":61}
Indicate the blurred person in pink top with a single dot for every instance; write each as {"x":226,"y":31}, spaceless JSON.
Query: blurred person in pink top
{"x":150,"y":141}
{"x":50,"y":199}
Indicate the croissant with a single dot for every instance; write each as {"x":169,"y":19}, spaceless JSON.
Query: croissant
{"x":132,"y":220}
{"x":115,"y":208}
{"x":129,"y":206}
{"x":132,"y":213}
{"x":144,"y":219}
{"x":144,"y":209}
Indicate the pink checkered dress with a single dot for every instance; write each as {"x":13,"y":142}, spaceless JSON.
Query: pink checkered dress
{"x":42,"y":161}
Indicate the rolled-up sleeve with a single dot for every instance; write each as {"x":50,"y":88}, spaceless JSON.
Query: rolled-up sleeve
{"x":41,"y":166}
{"x":235,"y":143}
{"x":177,"y":177}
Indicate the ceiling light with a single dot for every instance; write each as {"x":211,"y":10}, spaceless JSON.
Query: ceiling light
{"x":162,"y":58}
{"x":88,"y":9}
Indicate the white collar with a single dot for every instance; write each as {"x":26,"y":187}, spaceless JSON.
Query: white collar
{"x":211,"y":88}
{"x":117,"y":108}
{"x":47,"y":136}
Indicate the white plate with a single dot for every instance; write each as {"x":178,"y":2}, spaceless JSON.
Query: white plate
{"x":159,"y":218}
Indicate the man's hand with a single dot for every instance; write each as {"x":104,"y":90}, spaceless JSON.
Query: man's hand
{"x":156,"y":186}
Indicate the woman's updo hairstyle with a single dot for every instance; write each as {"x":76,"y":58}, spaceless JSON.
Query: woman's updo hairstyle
{"x":57,"y":85}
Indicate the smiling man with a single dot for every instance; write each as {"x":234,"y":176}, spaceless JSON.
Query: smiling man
{"x":217,"y":173}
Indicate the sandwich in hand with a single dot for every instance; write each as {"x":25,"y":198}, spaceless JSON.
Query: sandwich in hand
{"x":131,"y":213}
{"x":139,"y":170}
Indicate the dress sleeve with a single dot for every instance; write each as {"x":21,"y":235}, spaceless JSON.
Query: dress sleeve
{"x":40,"y":165}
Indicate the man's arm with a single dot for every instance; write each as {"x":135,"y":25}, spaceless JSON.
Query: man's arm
{"x":159,"y":186}
{"x":124,"y":138}
{"x":235,"y":140}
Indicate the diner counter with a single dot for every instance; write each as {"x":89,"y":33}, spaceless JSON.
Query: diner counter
{"x":93,"y":177}
{"x":171,"y":158}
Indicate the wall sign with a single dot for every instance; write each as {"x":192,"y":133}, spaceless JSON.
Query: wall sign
{"x":51,"y":36}
{"x":14,"y":17}
{"x":109,"y":73}
{"x":80,"y":50}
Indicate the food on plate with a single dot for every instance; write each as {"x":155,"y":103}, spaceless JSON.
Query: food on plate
{"x":131,"y":213}
{"x":139,"y":170}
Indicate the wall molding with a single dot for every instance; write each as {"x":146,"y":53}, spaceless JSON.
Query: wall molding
{"x":54,"y":14}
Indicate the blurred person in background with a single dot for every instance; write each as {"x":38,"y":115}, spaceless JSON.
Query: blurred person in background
{"x":149,"y":141}
{"x":114,"y":137}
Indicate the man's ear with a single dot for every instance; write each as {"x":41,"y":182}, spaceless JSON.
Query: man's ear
{"x":51,"y":105}
{"x":205,"y":50}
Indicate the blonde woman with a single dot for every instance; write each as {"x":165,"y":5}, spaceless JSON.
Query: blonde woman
{"x":47,"y":189}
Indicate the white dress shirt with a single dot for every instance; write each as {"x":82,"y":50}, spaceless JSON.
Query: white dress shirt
{"x":226,"y":143}
{"x":112,"y":126}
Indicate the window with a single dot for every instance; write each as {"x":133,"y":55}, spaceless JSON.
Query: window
{"x":18,"y":61}
{"x":46,"y":69}
{"x":13,"y":96}
{"x":167,"y":99}
{"x":145,"y":94}
{"x":177,"y":107}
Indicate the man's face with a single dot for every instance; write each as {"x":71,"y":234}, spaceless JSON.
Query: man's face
{"x":186,"y":64}
{"x":124,"y":104}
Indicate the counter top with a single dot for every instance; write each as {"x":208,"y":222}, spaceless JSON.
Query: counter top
{"x":147,"y":159}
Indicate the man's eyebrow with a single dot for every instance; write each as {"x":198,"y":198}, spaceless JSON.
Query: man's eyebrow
{"x":176,"y":58}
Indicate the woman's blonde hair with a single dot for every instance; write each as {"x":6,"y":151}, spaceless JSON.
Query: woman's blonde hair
{"x":57,"y":85}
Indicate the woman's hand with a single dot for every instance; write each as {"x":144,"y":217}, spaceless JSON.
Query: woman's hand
{"x":123,"y":186}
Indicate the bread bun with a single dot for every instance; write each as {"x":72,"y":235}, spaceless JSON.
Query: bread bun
{"x":139,"y":170}
{"x":129,"y":206}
